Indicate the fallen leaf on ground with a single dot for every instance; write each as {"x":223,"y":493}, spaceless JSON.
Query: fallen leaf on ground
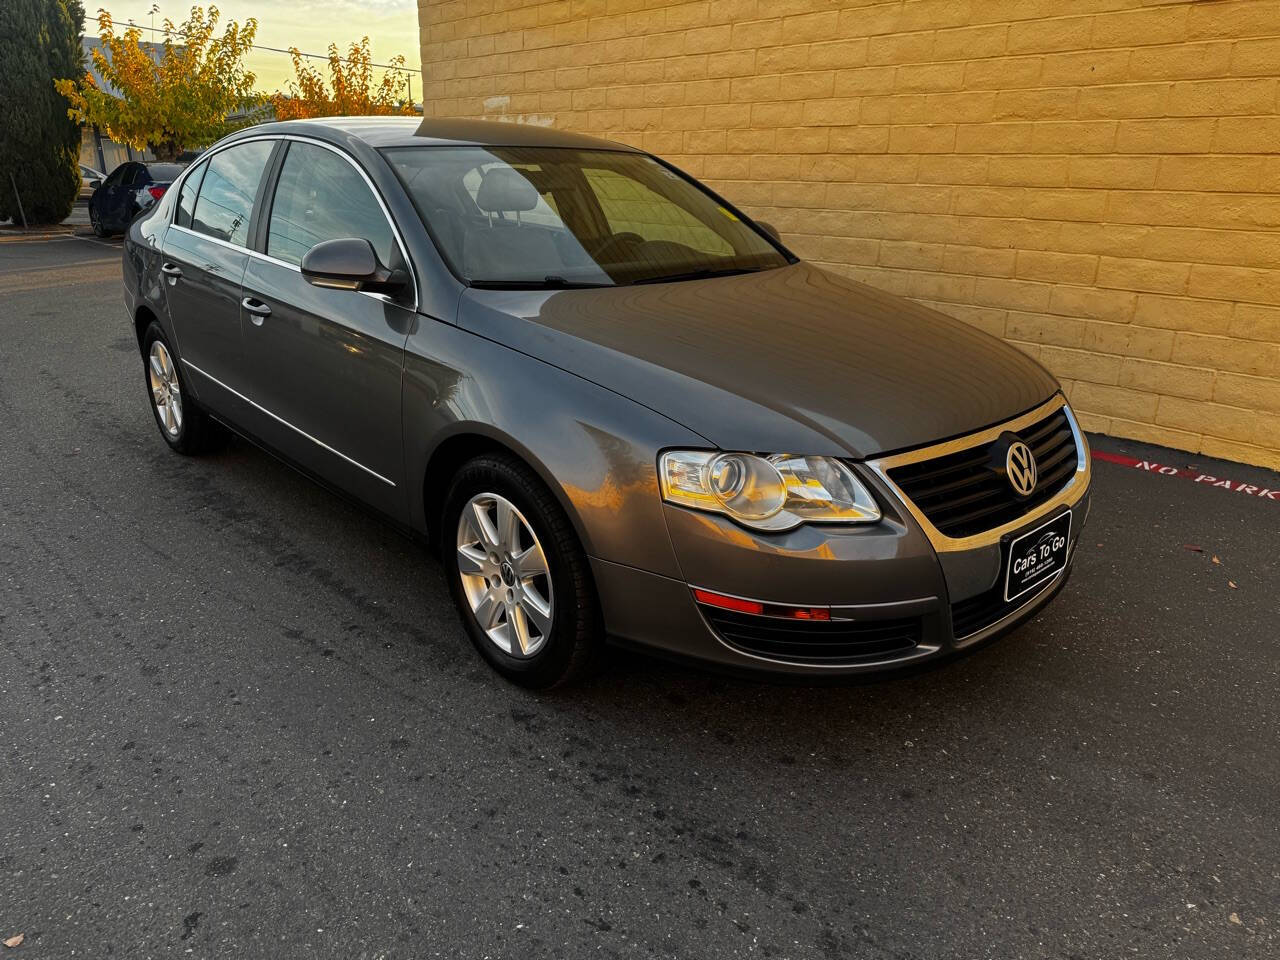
{"x":1234,"y":918}
{"x":16,"y":940}
{"x":1215,"y":559}
{"x":1232,"y":584}
{"x":1193,"y":548}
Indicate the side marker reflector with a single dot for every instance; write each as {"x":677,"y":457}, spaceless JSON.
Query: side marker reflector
{"x":738,"y":605}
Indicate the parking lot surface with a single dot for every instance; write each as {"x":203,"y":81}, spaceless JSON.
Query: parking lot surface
{"x":239,"y":718}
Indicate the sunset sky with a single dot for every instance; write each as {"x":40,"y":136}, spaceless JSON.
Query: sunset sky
{"x":310,"y":25}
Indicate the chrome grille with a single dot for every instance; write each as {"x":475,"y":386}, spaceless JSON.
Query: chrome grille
{"x":966,"y":492}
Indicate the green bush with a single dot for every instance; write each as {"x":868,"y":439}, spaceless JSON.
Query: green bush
{"x":40,"y":144}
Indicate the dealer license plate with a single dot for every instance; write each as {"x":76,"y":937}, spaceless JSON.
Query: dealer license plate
{"x":1036,"y":556}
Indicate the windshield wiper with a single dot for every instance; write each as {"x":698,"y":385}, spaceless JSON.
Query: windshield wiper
{"x":699,"y":275}
{"x":550,"y":282}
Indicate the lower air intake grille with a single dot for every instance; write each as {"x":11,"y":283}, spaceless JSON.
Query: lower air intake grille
{"x":979,"y":612}
{"x":966,"y":492}
{"x":815,"y":641}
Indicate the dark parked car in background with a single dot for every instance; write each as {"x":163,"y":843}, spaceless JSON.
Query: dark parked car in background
{"x":616,"y":405}
{"x":132,"y":187}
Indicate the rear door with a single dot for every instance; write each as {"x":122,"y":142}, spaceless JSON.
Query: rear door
{"x":205,"y":254}
{"x":323,"y":364}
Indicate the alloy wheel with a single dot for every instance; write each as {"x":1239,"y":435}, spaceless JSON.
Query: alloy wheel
{"x":166,"y":393}
{"x":504,"y":575}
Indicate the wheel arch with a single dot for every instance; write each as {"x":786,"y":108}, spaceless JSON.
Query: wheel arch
{"x":143,"y":317}
{"x":466,"y":442}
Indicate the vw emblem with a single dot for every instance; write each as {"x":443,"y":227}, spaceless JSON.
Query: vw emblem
{"x":1020,"y":468}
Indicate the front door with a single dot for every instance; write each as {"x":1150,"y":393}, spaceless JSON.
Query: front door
{"x":205,"y":255}
{"x":325,"y":365}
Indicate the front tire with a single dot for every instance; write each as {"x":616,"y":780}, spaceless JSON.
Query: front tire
{"x":518,"y":574}
{"x":184,"y":426}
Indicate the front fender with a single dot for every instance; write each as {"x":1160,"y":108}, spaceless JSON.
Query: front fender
{"x":597,"y":451}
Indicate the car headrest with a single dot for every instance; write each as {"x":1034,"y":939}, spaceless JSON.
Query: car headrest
{"x":504,"y":189}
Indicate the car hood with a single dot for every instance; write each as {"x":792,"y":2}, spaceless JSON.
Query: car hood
{"x":792,"y":360}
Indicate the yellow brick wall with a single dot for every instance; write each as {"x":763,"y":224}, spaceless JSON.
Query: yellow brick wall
{"x":1096,"y":181}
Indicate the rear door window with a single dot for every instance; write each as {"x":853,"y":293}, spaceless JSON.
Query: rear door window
{"x":224,"y":206}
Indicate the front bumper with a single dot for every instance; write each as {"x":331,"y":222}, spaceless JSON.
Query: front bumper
{"x":899,"y":592}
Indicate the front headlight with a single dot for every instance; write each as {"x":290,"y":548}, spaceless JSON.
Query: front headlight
{"x":766,"y":493}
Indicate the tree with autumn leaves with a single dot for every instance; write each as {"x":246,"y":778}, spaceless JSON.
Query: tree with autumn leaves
{"x":350,"y":90}
{"x":171,"y":96}
{"x":180,"y":94}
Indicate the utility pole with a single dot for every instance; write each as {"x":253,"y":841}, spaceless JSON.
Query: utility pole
{"x":22,"y":213}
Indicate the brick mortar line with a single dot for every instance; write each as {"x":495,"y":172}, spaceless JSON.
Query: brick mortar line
{"x":1141,"y":82}
{"x":985,"y":186}
{"x":1025,"y":56}
{"x":968,"y":25}
{"x":1063,"y":283}
{"x":1020,"y":56}
{"x":1260,"y":231}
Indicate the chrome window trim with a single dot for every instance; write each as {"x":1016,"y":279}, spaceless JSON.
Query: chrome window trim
{"x":1068,"y":496}
{"x":279,"y":419}
{"x":275,"y":137}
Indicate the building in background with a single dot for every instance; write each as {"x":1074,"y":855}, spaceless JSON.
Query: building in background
{"x":1097,"y":182}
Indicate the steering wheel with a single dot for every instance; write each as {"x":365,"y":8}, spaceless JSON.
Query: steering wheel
{"x":616,"y":240}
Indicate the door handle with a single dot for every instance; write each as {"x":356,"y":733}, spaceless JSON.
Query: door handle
{"x":171,"y":270}
{"x":257,"y":308}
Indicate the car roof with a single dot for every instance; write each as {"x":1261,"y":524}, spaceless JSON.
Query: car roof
{"x":381,"y":132}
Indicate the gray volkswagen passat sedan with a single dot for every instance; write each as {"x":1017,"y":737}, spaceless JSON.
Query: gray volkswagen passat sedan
{"x":614,"y":403}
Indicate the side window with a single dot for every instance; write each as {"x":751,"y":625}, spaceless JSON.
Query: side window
{"x":631,"y":207}
{"x":187,"y":198}
{"x":319,"y":197}
{"x":117,"y":175}
{"x":225,"y":201}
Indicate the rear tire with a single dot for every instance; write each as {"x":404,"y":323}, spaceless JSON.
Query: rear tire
{"x":184,"y":426}
{"x":95,"y":222}
{"x":512,"y":559}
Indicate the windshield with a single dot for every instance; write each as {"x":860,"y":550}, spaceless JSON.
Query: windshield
{"x":551,"y":217}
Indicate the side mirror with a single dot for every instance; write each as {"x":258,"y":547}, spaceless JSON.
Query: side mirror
{"x":350,"y":264}
{"x":770,"y":229}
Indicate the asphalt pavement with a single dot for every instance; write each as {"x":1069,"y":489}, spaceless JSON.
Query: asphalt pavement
{"x":238,"y":718}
